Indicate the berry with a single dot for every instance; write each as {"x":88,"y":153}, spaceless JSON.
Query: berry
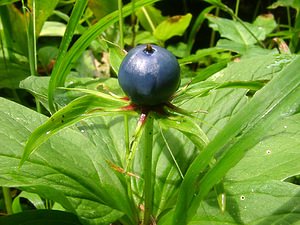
{"x":149,"y":75}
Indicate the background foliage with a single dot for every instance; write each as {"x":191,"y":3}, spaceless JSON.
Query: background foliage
{"x":236,"y":140}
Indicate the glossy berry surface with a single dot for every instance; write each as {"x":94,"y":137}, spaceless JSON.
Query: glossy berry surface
{"x":149,"y":75}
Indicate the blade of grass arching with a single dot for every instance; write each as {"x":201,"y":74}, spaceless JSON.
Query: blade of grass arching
{"x":277,"y":99}
{"x":120,"y":6}
{"x":76,"y":14}
{"x":196,"y":26}
{"x":63,"y":66}
{"x":83,"y":107}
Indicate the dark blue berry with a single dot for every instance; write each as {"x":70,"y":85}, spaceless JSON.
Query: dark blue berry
{"x":149,"y":75}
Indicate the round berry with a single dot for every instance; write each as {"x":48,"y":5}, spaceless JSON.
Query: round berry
{"x":149,"y":75}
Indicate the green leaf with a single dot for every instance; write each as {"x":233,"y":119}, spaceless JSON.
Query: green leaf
{"x":15,"y":38}
{"x":173,"y":26}
{"x":196,"y":27}
{"x":242,"y":133}
{"x":286,"y":3}
{"x":76,"y":14}
{"x":43,"y":9}
{"x":101,"y":8}
{"x":272,"y":202}
{"x":244,"y":50}
{"x":188,"y":127}
{"x":12,"y":73}
{"x":274,"y":157}
{"x":69,"y":168}
{"x":52,"y":29}
{"x":200,"y":54}
{"x":37,"y":217}
{"x":79,"y":109}
{"x":37,"y":86}
{"x":266,"y":22}
{"x":234,"y":31}
{"x":47,"y":55}
{"x":149,"y":17}
{"x":116,"y":56}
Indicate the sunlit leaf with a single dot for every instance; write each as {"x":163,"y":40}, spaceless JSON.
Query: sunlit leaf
{"x":173,"y":26}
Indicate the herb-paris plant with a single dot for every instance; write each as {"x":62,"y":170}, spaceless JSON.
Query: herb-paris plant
{"x":252,"y":111}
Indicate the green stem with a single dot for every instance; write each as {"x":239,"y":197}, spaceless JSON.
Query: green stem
{"x":148,"y":19}
{"x":148,"y":187}
{"x":213,"y":33}
{"x":7,"y":200}
{"x":31,"y":43}
{"x":237,"y":5}
{"x":120,"y":5}
{"x":126,"y":128}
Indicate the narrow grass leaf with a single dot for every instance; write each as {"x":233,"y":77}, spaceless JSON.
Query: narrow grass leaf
{"x":279,"y":97}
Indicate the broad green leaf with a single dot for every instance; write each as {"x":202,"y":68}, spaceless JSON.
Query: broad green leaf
{"x":242,"y":49}
{"x":141,"y":37}
{"x":37,"y":217}
{"x":255,"y":203}
{"x":89,"y":66}
{"x":275,"y":157}
{"x":12,"y":73}
{"x":43,"y":9}
{"x":149,"y":17}
{"x":38,"y":87}
{"x":82,"y":107}
{"x":53,"y":28}
{"x":188,"y":127}
{"x":266,"y":22}
{"x":173,"y":26}
{"x":243,"y":132}
{"x":286,"y":3}
{"x":234,"y":31}
{"x":179,"y":50}
{"x":15,"y":30}
{"x":47,"y":56}
{"x":101,"y":8}
{"x":33,"y":198}
{"x":69,"y":164}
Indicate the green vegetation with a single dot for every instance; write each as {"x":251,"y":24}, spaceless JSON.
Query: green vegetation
{"x":74,"y":149}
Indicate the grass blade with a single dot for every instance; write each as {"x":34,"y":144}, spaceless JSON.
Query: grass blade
{"x":277,"y":99}
{"x":77,"y":12}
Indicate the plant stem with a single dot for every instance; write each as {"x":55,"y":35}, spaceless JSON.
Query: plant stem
{"x":126,"y":128}
{"x":120,"y":5}
{"x":237,"y":5}
{"x":213,"y":33}
{"x":148,"y":187}
{"x":31,"y":43}
{"x":7,"y":200}
{"x":148,"y":19}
